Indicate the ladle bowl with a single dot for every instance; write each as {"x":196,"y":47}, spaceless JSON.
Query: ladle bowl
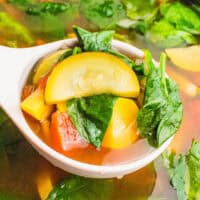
{"x":15,"y":66}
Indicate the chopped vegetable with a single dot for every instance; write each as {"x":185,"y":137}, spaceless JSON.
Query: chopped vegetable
{"x":184,"y":172}
{"x":45,"y":65}
{"x":88,"y":74}
{"x":163,"y":34}
{"x":161,"y":114}
{"x":141,"y":13}
{"x":182,"y":17}
{"x":44,"y":184}
{"x":104,"y":14}
{"x":64,"y":134}
{"x":46,"y":132}
{"x":80,"y":188}
{"x":186,"y":58}
{"x":97,"y":41}
{"x":165,"y":25}
{"x":91,"y":116}
{"x":10,"y":29}
{"x":35,"y":105}
{"x":122,"y":129}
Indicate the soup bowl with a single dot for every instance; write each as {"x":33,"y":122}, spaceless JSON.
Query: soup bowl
{"x":15,"y":66}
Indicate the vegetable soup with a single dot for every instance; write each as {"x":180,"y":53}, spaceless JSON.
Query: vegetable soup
{"x":172,"y":27}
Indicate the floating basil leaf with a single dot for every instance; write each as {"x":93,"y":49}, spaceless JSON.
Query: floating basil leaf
{"x":182,"y":17}
{"x":80,"y":188}
{"x":91,"y":116}
{"x":97,"y":41}
{"x":164,"y":34}
{"x":161,"y":114}
{"x":184,"y":172}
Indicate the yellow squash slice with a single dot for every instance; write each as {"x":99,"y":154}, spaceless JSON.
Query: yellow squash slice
{"x":187,"y":58}
{"x":122,"y":129}
{"x":46,"y":64}
{"x":88,"y":74}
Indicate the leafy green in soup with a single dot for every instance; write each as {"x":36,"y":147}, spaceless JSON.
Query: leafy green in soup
{"x":161,"y":115}
{"x":184,"y":172}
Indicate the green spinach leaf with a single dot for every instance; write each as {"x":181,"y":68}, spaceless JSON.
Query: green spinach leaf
{"x":80,"y":188}
{"x":97,"y":41}
{"x":161,"y":114}
{"x":9,"y":29}
{"x":91,"y":116}
{"x":141,"y":13}
{"x":164,"y":34}
{"x":184,"y":172}
{"x":182,"y":17}
{"x":193,"y":160}
{"x":102,"y":13}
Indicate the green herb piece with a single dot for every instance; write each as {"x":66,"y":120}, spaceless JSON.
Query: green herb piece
{"x":193,"y":160}
{"x":161,"y":114}
{"x":182,"y":17}
{"x":184,"y":172}
{"x":97,"y":41}
{"x":102,"y":13}
{"x":80,"y":188}
{"x":142,"y":14}
{"x":164,"y":34}
{"x":9,"y":29}
{"x":91,"y":116}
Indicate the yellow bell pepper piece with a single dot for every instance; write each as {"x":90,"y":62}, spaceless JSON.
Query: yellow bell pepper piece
{"x":44,"y":184}
{"x":35,"y":105}
{"x":122,"y":129}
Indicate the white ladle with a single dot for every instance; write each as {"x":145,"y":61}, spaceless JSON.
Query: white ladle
{"x":15,"y":65}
